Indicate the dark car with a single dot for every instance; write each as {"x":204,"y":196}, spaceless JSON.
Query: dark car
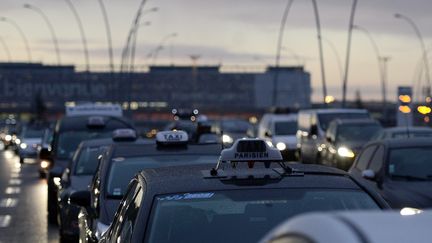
{"x":399,"y":169}
{"x":69,"y":132}
{"x":403,"y":132}
{"x":344,"y":139}
{"x":233,"y":129}
{"x":29,"y":140}
{"x":119,"y":165}
{"x":43,"y":150}
{"x":239,"y":203}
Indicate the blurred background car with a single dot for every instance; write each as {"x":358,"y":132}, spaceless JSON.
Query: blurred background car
{"x":399,"y":169}
{"x":30,"y":138}
{"x":403,"y":132}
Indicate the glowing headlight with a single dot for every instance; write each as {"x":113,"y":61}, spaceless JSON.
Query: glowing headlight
{"x":269,"y":143}
{"x":17,"y":141}
{"x":44,"y":164}
{"x":410,"y":211}
{"x":8,"y":138}
{"x":227,"y":139}
{"x":23,"y":145}
{"x":345,"y":152}
{"x":281,"y":146}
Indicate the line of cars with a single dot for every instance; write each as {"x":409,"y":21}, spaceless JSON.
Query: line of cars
{"x":112,"y":186}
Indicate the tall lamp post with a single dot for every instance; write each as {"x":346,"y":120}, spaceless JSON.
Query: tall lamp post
{"x":108,"y":33}
{"x":161,"y":45}
{"x":20,"y":31}
{"x":50,"y":27}
{"x":423,"y":47}
{"x":82,"y":33}
{"x":382,"y":63}
{"x":348,"y":52}
{"x":133,"y":51}
{"x":6,"y":49}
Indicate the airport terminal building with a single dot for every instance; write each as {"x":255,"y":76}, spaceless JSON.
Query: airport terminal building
{"x":161,"y":88}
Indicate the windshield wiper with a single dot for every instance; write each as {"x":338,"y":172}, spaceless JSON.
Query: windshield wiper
{"x":412,"y":178}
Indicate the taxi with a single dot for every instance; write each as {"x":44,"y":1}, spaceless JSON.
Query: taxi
{"x":118,"y":166}
{"x":247,"y":193}
{"x":79,"y":174}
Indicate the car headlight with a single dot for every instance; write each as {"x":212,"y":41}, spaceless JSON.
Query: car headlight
{"x":227,"y":139}
{"x":281,"y":146}
{"x":17,"y":141}
{"x":345,"y":152}
{"x":8,"y":138}
{"x":44,"y":164}
{"x":269,"y":143}
{"x":23,"y":145}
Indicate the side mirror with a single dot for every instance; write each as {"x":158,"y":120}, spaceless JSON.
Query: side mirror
{"x":45,"y":154}
{"x":268,"y":134}
{"x":80,"y":198}
{"x":369,"y":174}
{"x":314,"y":130}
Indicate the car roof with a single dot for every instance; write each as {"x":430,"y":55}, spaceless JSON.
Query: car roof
{"x":405,"y":142}
{"x":176,"y":179}
{"x":69,"y":123}
{"x":360,"y":226}
{"x":411,"y":129}
{"x":330,"y":111}
{"x":355,"y":121}
{"x":149,"y":147}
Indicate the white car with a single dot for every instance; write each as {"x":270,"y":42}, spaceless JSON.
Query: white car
{"x":280,"y":130}
{"x":407,"y":225}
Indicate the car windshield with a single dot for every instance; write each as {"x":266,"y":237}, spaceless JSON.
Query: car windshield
{"x":32,"y":133}
{"x":87,"y":161}
{"x":356,"y":133}
{"x":285,"y":128}
{"x":241,"y":215}
{"x":411,"y":163}
{"x":412,"y":134}
{"x":235,"y":126}
{"x":124,"y":169}
{"x":325,"y":119}
{"x":68,"y":141}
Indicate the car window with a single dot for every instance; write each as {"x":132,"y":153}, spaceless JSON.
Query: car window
{"x":87,"y":161}
{"x":377,"y":160}
{"x":365,"y":157}
{"x":410,"y":163}
{"x":285,"y":128}
{"x":356,"y":132}
{"x":325,"y":119}
{"x":257,"y":211}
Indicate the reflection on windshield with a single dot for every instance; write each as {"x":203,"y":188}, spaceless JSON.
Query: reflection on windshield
{"x":357,"y":133}
{"x":124,"y":169}
{"x":411,"y":162}
{"x":285,"y":128}
{"x":325,"y":119}
{"x":241,"y":214}
{"x":88,"y":161}
{"x":68,"y":141}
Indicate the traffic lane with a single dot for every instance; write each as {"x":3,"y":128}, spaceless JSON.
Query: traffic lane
{"x":23,"y":214}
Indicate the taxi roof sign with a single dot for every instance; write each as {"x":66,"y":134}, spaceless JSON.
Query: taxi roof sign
{"x":124,"y":135}
{"x":95,"y":110}
{"x":172,"y":137}
{"x":250,"y":150}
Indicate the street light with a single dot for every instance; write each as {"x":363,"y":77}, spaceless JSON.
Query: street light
{"x":82,"y":33}
{"x":161,"y":45}
{"x":6,"y":49}
{"x":108,"y":33}
{"x":132,"y":32}
{"x":422,"y":45}
{"x":382,"y":62}
{"x":50,"y":27}
{"x":135,"y":36}
{"x":20,"y":31}
{"x":348,"y":52}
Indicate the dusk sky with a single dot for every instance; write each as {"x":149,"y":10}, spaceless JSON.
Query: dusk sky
{"x":235,"y":32}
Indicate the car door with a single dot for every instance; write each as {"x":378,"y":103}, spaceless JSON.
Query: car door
{"x":376,"y":164}
{"x":363,"y":160}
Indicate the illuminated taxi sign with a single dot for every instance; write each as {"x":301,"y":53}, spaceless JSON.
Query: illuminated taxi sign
{"x":124,"y":135}
{"x":94,"y":109}
{"x":250,"y":150}
{"x":168,"y":137}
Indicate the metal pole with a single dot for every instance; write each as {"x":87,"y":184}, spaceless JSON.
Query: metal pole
{"x":321,"y":52}
{"x":82,"y":33}
{"x":50,"y":27}
{"x":20,"y":31}
{"x":108,"y":33}
{"x":161,"y":46}
{"x":348,"y":53}
{"x":279,"y":50}
{"x":135,"y":36}
{"x":6,"y":49}
{"x":424,"y":52}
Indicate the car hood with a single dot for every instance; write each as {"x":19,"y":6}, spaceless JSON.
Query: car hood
{"x":353,"y":145}
{"x":414,"y":194}
{"x":81,"y":183}
{"x":31,"y":140}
